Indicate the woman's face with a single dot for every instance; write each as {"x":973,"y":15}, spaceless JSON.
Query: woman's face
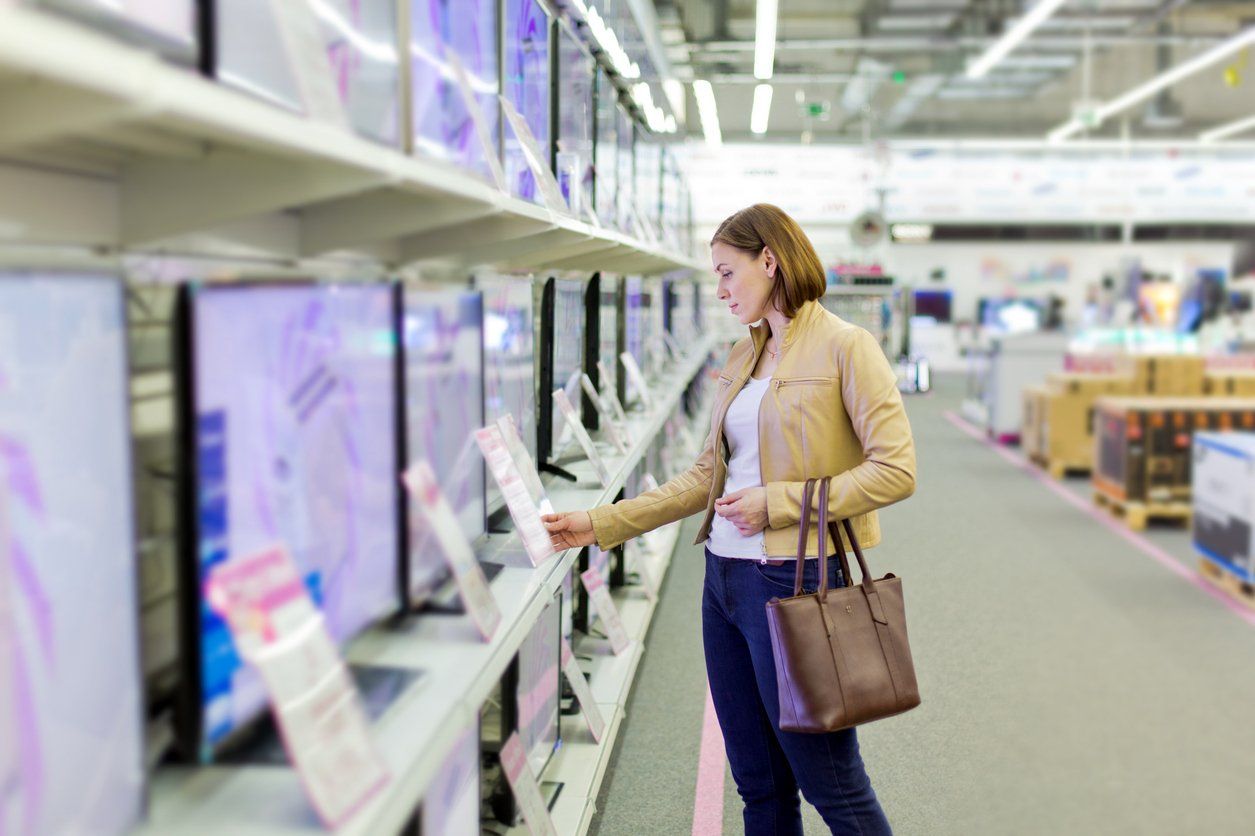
{"x":745,"y":281}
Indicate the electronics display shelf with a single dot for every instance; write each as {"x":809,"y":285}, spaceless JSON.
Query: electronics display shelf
{"x":134,"y":153}
{"x":419,"y":730}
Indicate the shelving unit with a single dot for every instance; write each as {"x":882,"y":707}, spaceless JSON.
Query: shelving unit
{"x":459,"y":672}
{"x":130,"y":153}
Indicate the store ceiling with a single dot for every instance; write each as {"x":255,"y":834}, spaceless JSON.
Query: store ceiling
{"x":850,"y":69}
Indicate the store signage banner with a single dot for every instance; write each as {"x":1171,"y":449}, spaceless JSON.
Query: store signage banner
{"x":581,"y":435}
{"x":608,"y":420}
{"x":638,"y":379}
{"x":438,"y":519}
{"x":279,"y":631}
{"x":613,"y":398}
{"x":521,"y":503}
{"x":525,"y":787}
{"x":583,"y":693}
{"x":599,"y":593}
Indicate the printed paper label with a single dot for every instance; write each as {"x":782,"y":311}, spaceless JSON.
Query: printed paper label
{"x":525,"y":788}
{"x":305,"y":49}
{"x":581,"y":435}
{"x":637,"y":379}
{"x":583,"y":693}
{"x":673,"y":346}
{"x":537,"y":161}
{"x":606,"y":412}
{"x":277,"y":629}
{"x":523,"y":461}
{"x":471,"y":103}
{"x":599,"y":594}
{"x":613,"y":398}
{"x":522,"y":506}
{"x":447,"y":537}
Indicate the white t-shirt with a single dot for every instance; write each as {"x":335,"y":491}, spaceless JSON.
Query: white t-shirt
{"x":740,"y":427}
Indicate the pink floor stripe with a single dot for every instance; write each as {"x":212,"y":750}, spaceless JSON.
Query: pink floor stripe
{"x":711,"y":767}
{"x":1132,"y":537}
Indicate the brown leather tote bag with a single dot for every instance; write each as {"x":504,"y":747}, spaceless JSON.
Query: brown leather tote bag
{"x":842,"y":656}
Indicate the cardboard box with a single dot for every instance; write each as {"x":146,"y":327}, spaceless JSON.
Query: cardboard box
{"x":1075,"y":383}
{"x":1224,"y":500}
{"x":1032,"y":435}
{"x":1171,"y":375}
{"x":1235,"y":384}
{"x":1067,"y":424}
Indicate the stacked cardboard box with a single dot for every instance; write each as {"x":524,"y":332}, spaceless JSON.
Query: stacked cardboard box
{"x":1143,"y":445}
{"x":1059,"y":418}
{"x":1170,"y":375}
{"x":1229,"y":384}
{"x":1032,"y":435}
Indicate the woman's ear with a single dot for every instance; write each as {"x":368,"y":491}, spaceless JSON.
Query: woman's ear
{"x":769,"y":262}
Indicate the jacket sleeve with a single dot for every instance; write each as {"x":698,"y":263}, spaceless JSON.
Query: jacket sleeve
{"x":869,"y":392}
{"x":680,"y":497}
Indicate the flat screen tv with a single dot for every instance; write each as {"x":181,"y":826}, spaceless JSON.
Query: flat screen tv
{"x":71,"y":693}
{"x":536,"y":688}
{"x":509,"y":361}
{"x":610,"y":336}
{"x":626,"y":178}
{"x":606,"y":150}
{"x":451,"y":803}
{"x":350,"y":76}
{"x":288,"y":434}
{"x":934,"y":303}
{"x":441,"y":125}
{"x":573,"y":159}
{"x":561,"y":362}
{"x":442,"y":344}
{"x":526,"y":48}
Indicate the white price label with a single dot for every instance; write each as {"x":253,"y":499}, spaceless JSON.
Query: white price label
{"x":519,"y":501}
{"x":487,"y":144}
{"x":526,"y":789}
{"x":523,"y":462}
{"x":637,"y":378}
{"x":581,"y":435}
{"x":441,"y":522}
{"x":613,"y":398}
{"x":599,"y":594}
{"x":605,"y":411}
{"x":537,"y":161}
{"x":583,"y":693}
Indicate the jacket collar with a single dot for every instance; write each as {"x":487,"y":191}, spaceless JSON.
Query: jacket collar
{"x":799,"y":325}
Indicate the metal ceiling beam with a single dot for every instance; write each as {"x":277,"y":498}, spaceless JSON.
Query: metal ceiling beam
{"x":935,"y":43}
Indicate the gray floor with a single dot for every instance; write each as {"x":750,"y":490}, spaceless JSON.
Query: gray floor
{"x":1071,"y":684}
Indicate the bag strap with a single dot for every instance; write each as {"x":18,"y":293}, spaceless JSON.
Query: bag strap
{"x":803,"y":531}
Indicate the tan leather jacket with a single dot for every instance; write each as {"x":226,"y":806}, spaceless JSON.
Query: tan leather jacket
{"x":833,"y":409}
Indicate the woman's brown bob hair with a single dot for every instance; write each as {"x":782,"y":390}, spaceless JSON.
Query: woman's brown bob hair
{"x":799,"y":272}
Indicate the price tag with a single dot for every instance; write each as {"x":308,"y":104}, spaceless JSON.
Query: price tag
{"x":537,"y":161}
{"x":523,"y":509}
{"x":581,"y":435}
{"x":278,"y":630}
{"x":613,"y":397}
{"x":605,"y":411}
{"x":525,"y":788}
{"x":583,"y":693}
{"x":673,"y":346}
{"x":638,"y":379}
{"x":523,"y":461}
{"x":599,"y":594}
{"x":305,"y":49}
{"x":471,"y":103}
{"x":440,"y":521}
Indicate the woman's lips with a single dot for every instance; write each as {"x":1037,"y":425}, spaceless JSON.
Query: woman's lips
{"x":733,"y":308}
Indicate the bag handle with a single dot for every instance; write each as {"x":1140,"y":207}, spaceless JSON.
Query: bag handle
{"x":803,"y":531}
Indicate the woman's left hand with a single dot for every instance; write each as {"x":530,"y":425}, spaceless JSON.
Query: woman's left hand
{"x":746,"y":509}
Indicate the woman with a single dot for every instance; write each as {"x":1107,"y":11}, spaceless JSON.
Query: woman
{"x":805,"y":395}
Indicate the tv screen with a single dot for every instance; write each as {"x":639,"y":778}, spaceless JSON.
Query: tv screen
{"x":626,"y":179}
{"x":648,"y":181}
{"x":537,"y":688}
{"x":610,"y":330}
{"x":574,"y":159}
{"x":441,"y":124}
{"x":934,"y":303}
{"x":606,"y":150}
{"x":568,"y":354}
{"x":168,"y":25}
{"x":443,"y":344}
{"x":634,"y":319}
{"x":509,"y":361}
{"x":354,"y":79}
{"x":451,"y":803}
{"x":71,"y":698}
{"x":526,"y":86}
{"x":292,"y":435}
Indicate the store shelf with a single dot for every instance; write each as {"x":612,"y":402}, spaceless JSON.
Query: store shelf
{"x":459,"y":672}
{"x":131,"y":152}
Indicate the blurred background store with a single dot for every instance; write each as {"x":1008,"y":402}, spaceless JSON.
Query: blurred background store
{"x":309,"y":307}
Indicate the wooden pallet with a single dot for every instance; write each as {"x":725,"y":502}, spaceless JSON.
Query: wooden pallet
{"x":1058,"y":468}
{"x":1227,"y":582}
{"x":1137,"y":514}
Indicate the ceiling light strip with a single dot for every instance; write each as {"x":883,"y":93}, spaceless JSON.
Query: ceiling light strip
{"x":1241,"y":126}
{"x":708,"y":112}
{"x":765,"y":20}
{"x":1013,"y":37}
{"x":761,"y":112}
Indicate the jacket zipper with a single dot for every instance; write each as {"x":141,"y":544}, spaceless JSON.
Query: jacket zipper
{"x":795,"y":381}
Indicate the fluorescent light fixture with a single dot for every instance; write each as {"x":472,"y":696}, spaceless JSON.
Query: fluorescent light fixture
{"x":912,"y":232}
{"x":1172,"y":75}
{"x":620,"y":61}
{"x":981,"y":93}
{"x":674,"y":89}
{"x":765,"y":39}
{"x":762,"y":109}
{"x":1031,"y":61}
{"x":1013,"y":37}
{"x":1241,"y":126}
{"x":708,"y":111}
{"x":908,"y":22}
{"x":1064,"y":131}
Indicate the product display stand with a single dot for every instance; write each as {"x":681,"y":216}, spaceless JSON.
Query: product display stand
{"x":424,"y":724}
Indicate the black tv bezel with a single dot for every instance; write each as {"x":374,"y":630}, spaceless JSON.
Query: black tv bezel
{"x":189,"y":743}
{"x":592,"y":350}
{"x":409,"y":602}
{"x":545,"y":384}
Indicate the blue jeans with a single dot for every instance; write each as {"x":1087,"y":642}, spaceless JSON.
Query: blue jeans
{"x":770,"y":765}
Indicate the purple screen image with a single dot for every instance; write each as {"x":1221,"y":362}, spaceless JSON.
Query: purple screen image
{"x":442,"y":125}
{"x":568,"y":354}
{"x":526,"y":74}
{"x":71,"y":699}
{"x":607,"y":149}
{"x":443,"y":338}
{"x":509,"y":360}
{"x":295,"y":444}
{"x":576,"y":77}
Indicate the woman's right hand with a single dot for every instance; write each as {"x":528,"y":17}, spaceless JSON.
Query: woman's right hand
{"x":569,"y":530}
